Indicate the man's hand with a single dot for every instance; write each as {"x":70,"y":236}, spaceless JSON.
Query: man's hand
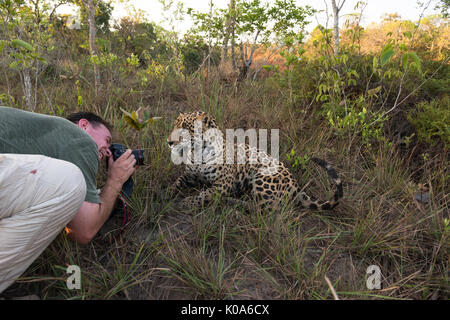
{"x":120,"y":170}
{"x":91,"y":216}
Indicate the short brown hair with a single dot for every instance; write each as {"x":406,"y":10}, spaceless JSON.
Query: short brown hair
{"x":89,"y":116}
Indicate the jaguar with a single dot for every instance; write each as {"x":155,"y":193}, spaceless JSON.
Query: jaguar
{"x":264,"y":179}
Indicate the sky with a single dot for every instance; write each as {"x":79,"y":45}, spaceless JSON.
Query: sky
{"x":407,"y":9}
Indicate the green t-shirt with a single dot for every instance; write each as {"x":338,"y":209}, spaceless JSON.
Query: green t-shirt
{"x":26,"y":132}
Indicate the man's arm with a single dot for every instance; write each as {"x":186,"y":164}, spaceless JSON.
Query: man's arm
{"x":91,"y":216}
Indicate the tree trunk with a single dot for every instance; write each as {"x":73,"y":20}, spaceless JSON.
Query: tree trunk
{"x":229,"y":32}
{"x":247,"y":61}
{"x":226,"y":36}
{"x":28,"y":89}
{"x":336,"y":9}
{"x":233,"y":44}
{"x":89,"y":4}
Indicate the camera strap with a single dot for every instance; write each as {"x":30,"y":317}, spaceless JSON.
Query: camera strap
{"x":126,"y":211}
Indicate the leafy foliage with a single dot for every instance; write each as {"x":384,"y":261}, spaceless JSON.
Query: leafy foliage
{"x":103,"y":14}
{"x":138,"y":119}
{"x":432,"y":121}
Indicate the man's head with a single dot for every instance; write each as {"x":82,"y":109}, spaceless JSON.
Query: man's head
{"x":97,"y":128}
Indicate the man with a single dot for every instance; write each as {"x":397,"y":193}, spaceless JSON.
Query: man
{"x":48,"y":168}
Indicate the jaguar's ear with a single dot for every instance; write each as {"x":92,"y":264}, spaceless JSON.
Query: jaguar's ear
{"x":207,"y":120}
{"x":200,"y":115}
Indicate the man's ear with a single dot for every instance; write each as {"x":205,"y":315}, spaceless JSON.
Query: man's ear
{"x":83,"y":124}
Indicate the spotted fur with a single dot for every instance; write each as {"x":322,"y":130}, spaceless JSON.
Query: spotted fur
{"x":266,"y":181}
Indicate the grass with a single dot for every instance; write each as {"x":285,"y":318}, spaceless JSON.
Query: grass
{"x":223,"y":252}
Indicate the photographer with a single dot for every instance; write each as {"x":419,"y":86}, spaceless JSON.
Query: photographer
{"x":48,"y":168}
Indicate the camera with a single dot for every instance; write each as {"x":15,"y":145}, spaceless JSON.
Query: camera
{"x":118,"y":149}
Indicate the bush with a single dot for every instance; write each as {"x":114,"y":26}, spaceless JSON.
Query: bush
{"x":432,"y":121}
{"x":194,"y":51}
{"x":440,"y":83}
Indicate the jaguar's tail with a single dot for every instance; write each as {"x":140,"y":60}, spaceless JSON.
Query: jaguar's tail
{"x":304,"y":200}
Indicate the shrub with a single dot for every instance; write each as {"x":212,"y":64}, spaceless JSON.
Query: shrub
{"x":432,"y":121}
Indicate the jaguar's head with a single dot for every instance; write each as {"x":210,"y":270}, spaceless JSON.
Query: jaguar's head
{"x":188,"y":128}
{"x":186,"y":124}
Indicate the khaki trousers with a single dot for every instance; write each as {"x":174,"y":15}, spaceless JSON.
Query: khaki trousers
{"x":38,"y":197}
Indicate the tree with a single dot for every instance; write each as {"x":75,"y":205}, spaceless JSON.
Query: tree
{"x":103,"y":13}
{"x":23,"y":42}
{"x":252,"y":23}
{"x":336,"y":9}
{"x":139,"y":38}
{"x":229,"y":32}
{"x":252,"y":20}
{"x":282,"y":22}
{"x":91,"y":8}
{"x":443,"y":5}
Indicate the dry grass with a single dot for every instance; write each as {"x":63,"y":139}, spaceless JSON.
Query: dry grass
{"x":224,"y":252}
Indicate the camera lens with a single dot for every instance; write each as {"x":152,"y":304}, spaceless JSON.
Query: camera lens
{"x":139,"y":155}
